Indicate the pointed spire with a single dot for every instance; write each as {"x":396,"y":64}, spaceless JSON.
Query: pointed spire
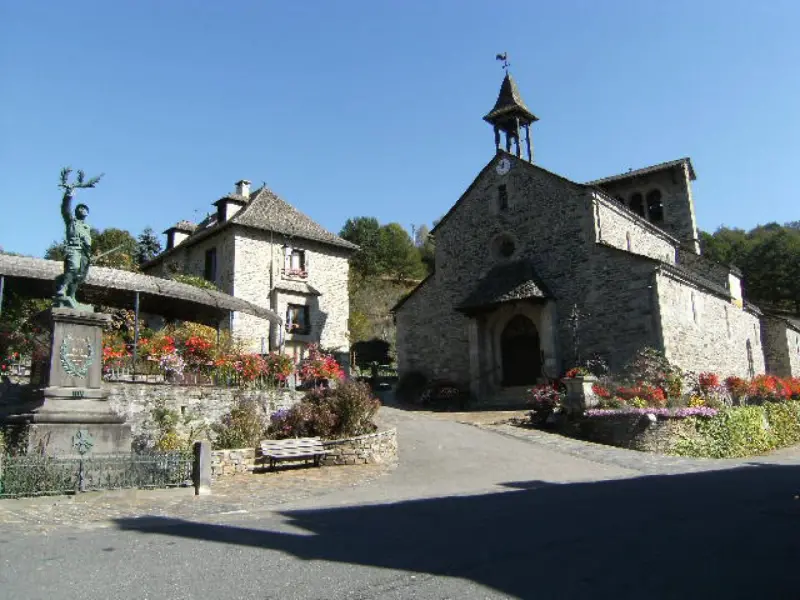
{"x":510,"y":117}
{"x":509,"y":104}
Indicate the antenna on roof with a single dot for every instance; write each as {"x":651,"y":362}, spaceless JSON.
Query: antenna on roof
{"x":504,"y":58}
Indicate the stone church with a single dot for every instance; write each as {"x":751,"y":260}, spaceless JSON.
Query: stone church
{"x":534,"y":271}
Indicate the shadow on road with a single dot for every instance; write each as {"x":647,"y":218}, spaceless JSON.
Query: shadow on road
{"x":724,"y":534}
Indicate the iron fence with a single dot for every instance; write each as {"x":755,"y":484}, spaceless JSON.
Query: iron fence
{"x":38,"y":475}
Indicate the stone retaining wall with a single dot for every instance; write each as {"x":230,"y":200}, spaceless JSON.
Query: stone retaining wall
{"x":231,"y":462}
{"x":373,"y":448}
{"x":204,"y":404}
{"x":646,"y":433}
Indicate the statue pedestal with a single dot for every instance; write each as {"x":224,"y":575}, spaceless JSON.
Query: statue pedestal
{"x":71,"y":398}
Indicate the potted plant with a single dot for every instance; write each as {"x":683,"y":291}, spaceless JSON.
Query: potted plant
{"x":580,"y":395}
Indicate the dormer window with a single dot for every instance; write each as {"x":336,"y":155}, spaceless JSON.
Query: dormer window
{"x":502,"y":198}
{"x":295,"y":263}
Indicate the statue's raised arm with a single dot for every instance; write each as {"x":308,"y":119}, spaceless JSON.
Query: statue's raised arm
{"x":66,"y":206}
{"x":77,"y":242}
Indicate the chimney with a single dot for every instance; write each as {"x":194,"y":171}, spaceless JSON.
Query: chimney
{"x":243,"y":188}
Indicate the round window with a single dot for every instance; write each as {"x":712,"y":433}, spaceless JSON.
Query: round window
{"x":504,"y":246}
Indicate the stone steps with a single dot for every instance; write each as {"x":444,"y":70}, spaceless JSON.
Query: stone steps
{"x":510,"y":396}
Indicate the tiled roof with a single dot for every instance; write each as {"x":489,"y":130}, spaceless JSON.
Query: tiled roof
{"x":504,"y":283}
{"x":509,"y":102}
{"x":268,"y":212}
{"x":646,"y":170}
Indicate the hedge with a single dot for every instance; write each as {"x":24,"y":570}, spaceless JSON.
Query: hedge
{"x":743,"y":431}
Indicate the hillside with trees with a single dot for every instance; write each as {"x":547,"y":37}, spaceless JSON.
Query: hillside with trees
{"x":389,"y":264}
{"x":769,"y":257}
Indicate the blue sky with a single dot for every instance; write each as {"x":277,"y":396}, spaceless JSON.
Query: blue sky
{"x":374,"y":108}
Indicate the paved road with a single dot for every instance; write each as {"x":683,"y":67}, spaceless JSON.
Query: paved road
{"x":468,"y":514}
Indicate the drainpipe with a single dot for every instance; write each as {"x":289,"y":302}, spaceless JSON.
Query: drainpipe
{"x":135,"y":332}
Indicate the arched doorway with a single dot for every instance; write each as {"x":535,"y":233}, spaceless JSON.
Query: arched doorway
{"x":519,"y":350}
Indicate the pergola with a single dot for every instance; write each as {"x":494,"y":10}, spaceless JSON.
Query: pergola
{"x":34,"y":277}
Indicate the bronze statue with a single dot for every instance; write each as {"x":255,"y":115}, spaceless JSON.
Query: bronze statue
{"x":77,"y":243}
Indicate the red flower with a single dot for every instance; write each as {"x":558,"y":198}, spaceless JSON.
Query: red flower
{"x":708,"y":380}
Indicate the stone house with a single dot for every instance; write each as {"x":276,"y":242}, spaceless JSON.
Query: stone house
{"x":534,"y":272}
{"x":257,"y":247}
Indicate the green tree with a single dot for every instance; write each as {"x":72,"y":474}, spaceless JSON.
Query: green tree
{"x":148,"y":246}
{"x":123,"y":244}
{"x":772,"y":267}
{"x":399,"y":258}
{"x":769,"y":257}
{"x":423,"y":240}
{"x":364,"y":232}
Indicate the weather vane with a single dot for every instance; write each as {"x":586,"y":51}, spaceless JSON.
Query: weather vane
{"x":504,"y":58}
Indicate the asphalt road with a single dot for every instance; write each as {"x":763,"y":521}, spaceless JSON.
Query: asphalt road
{"x":468,"y":514}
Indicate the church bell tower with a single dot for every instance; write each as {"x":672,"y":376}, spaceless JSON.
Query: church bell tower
{"x":510,"y":117}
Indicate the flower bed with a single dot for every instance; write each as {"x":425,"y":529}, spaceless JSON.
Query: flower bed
{"x":654,"y":406}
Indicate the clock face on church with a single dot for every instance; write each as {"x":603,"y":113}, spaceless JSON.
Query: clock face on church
{"x":503,"y":167}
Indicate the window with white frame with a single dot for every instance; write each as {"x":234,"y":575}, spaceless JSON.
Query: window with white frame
{"x":295,"y":262}
{"x":297,"y":319}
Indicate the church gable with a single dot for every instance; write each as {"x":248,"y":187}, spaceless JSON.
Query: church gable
{"x":513,"y":210}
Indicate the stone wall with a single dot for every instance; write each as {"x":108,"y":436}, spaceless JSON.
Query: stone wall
{"x":205,"y":403}
{"x":781,"y":347}
{"x":374,"y":448}
{"x":232,"y":462}
{"x":622,"y":229}
{"x":676,"y":194}
{"x":619,"y":306}
{"x":703,"y":332}
{"x":645,"y":433}
{"x":324,"y":290}
{"x":190,"y":258}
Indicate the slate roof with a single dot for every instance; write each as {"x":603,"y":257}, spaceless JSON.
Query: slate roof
{"x":647,"y":170}
{"x":297,"y":287}
{"x":265,"y":211}
{"x":509,"y":102}
{"x":184,"y":225}
{"x":268,"y":212}
{"x":505,"y":283}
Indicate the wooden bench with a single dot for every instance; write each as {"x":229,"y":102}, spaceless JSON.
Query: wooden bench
{"x":292,"y":449}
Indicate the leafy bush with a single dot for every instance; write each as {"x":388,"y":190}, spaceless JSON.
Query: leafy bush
{"x":242,"y":427}
{"x":543,"y":399}
{"x":167,"y":430}
{"x":744,"y":431}
{"x":344,"y":411}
